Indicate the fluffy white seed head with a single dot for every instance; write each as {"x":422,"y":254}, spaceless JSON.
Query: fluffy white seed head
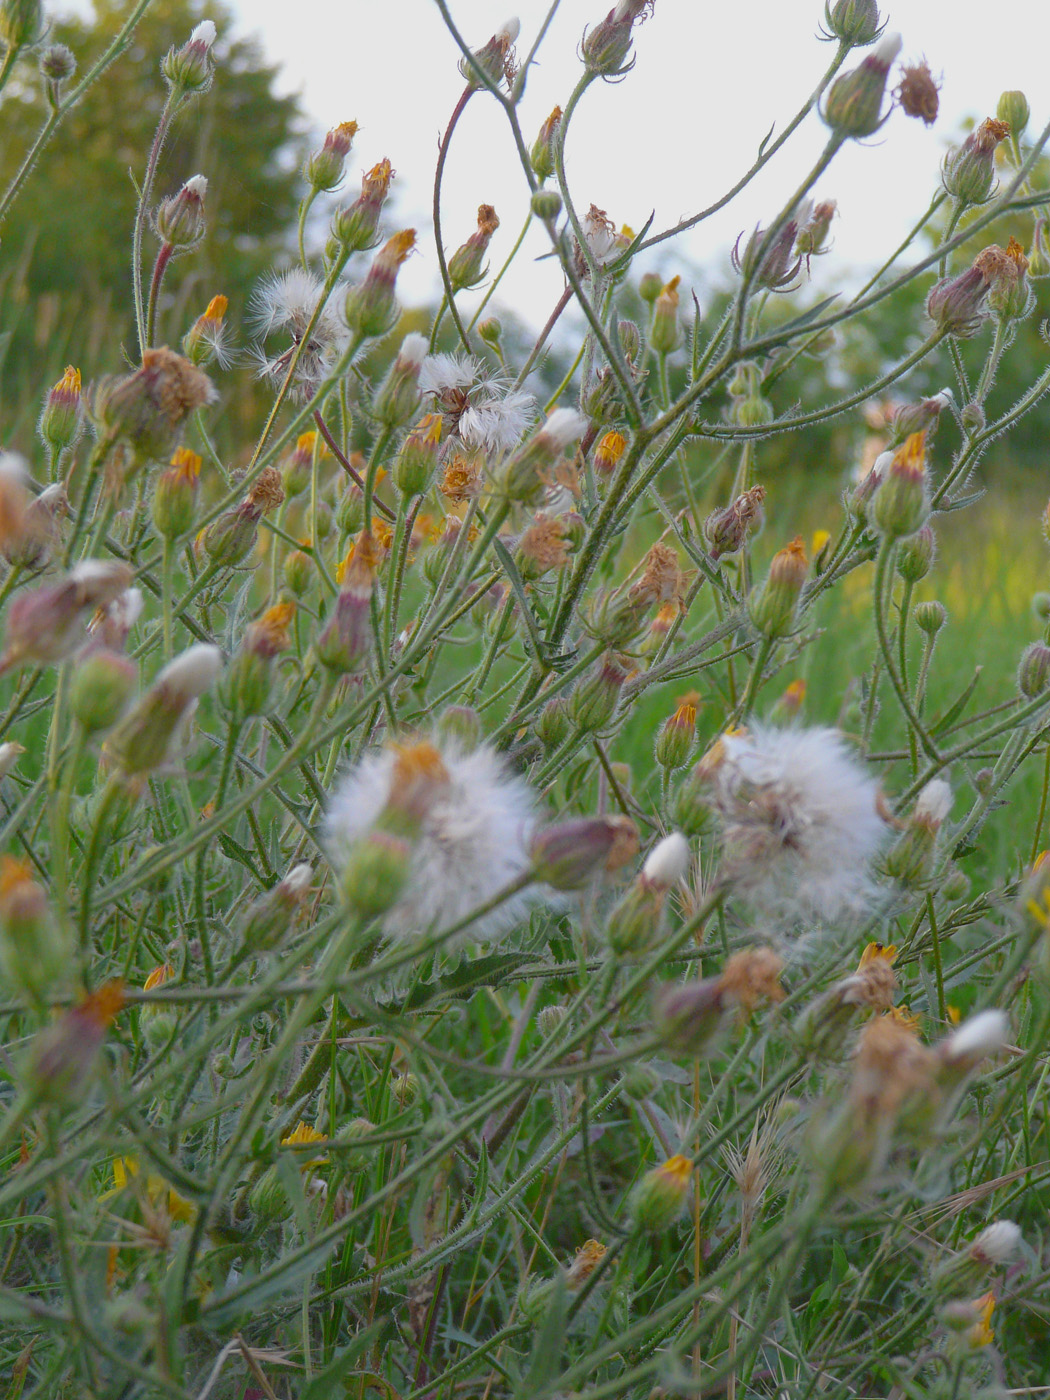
{"x":473,"y":839}
{"x":192,"y":673}
{"x":997,"y":1243}
{"x":413,"y":349}
{"x":443,"y":372}
{"x":509,"y":30}
{"x":887,"y":49}
{"x":198,"y":185}
{"x":13,"y":468}
{"x":9,"y":756}
{"x":668,"y":861}
{"x":298,"y":879}
{"x":801,"y":821}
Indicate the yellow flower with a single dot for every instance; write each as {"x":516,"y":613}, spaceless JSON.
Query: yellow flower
{"x":981,"y":1334}
{"x":301,"y":1135}
{"x":124,"y":1168}
{"x":886,"y":951}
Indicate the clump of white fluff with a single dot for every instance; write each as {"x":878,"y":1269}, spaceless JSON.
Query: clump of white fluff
{"x":801,"y":821}
{"x":472,"y":842}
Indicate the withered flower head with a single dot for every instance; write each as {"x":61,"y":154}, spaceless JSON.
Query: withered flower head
{"x":917,"y":92}
{"x":266,"y":493}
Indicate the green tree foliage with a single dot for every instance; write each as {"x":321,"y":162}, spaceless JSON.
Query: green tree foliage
{"x":64,"y":244}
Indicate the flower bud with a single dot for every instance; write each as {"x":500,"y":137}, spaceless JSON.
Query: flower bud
{"x":189,"y":69}
{"x":297,"y":572}
{"x":324,"y":168}
{"x":930,"y":616}
{"x":1033,"y":673}
{"x":62,"y":418}
{"x":960,"y":1053}
{"x":148,"y":407}
{"x":548,"y":1019}
{"x":774,"y":269}
{"x":354,"y":227}
{"x":1038,"y":261}
{"x":371,"y":308}
{"x":47,"y":624}
{"x":687,"y":1016}
{"x":397,"y":398}
{"x":675,"y":740}
{"x":659,"y":1197}
{"x":606,"y":47}
{"x":542,"y":155}
{"x":102,"y":686}
{"x":247,"y":684}
{"x":466,"y":265}
{"x":205,"y":341}
{"x":910,"y":859}
{"x":1013,"y":111}
{"x":546,"y":205}
{"x":374,"y":873}
{"x":568,"y":855}
{"x":62,"y":1057}
{"x":665,"y":333}
{"x":552,"y":725}
{"x":179,"y":221}
{"x":916,"y":554}
{"x":900,"y":506}
{"x":958,"y":305}
{"x":33,"y":952}
{"x":607,"y":453}
{"x":691,"y":808}
{"x":522,"y":476}
{"x":668,"y":862}
{"x":593,"y":702}
{"x":21,"y":22}
{"x":772,"y":604}
{"x":268,"y":1199}
{"x":1005,"y":269}
{"x":230,"y":538}
{"x":345,"y":641}
{"x":140,"y":742}
{"x":495,"y":58}
{"x":491,"y":330}
{"x":969,"y":170}
{"x":270,"y":918}
{"x":57,"y":65}
{"x":34,"y":541}
{"x":853,"y":105}
{"x":853,"y":21}
{"x":812,"y":236}
{"x":175,"y":495}
{"x":417,"y":461}
{"x":918,"y":417}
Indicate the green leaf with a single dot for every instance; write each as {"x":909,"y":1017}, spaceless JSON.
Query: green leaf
{"x":545,"y":1358}
{"x":954,"y":711}
{"x":321,"y":1387}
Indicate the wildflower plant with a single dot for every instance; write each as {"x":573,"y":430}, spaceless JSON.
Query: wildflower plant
{"x":450,"y":939}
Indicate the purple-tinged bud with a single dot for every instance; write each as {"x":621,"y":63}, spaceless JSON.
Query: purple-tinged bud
{"x":919,"y":417}
{"x":570,"y":854}
{"x":660,"y":1196}
{"x":593,"y":702}
{"x":687,"y":1016}
{"x":102,"y":687}
{"x":354,"y":227}
{"x":47,"y":624}
{"x":900,"y":506}
{"x":324,"y":168}
{"x":812,"y":237}
{"x":776,"y":268}
{"x":466,"y":266}
{"x":853,"y":21}
{"x":959,"y":305}
{"x":141,"y":741}
{"x":397,"y":398}
{"x":33,"y":543}
{"x":189,"y":69}
{"x":853,"y":105}
{"x":495,"y":59}
{"x":542,"y":155}
{"x":916,"y":554}
{"x":371,"y":308}
{"x":606,"y":47}
{"x":179,"y":221}
{"x":57,"y":65}
{"x":62,"y":418}
{"x":772,"y":604}
{"x":62,"y":1058}
{"x":969,"y":170}
{"x":345,"y":641}
{"x":727,"y":530}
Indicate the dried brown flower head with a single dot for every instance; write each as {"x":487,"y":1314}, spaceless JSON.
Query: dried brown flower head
{"x":917,"y":92}
{"x":751,"y":976}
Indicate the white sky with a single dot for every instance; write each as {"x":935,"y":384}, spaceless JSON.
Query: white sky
{"x":709,"y":81}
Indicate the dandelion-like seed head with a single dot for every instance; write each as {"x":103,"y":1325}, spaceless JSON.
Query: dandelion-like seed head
{"x":286,"y":302}
{"x":470,"y":820}
{"x":800,"y":819}
{"x":479,"y":408}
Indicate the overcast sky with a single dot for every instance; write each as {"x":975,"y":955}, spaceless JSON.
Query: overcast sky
{"x":709,"y":82}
